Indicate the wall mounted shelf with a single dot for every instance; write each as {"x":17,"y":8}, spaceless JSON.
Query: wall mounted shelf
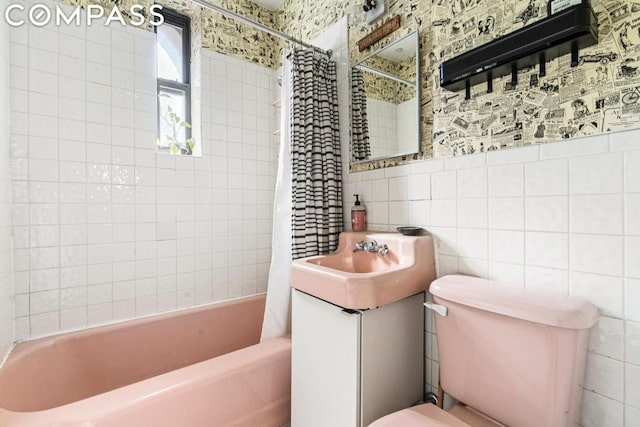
{"x":567,"y":31}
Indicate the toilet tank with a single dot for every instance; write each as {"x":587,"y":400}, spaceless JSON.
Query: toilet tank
{"x":514,"y":354}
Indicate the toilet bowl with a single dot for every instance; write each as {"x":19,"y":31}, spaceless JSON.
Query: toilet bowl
{"x":512,"y":356}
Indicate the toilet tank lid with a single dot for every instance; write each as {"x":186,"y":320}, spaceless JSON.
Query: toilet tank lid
{"x":548,"y":308}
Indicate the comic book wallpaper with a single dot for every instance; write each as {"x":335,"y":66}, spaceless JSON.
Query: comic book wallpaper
{"x":601,"y":94}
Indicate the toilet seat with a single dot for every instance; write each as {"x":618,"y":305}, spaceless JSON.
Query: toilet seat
{"x":429,"y":415}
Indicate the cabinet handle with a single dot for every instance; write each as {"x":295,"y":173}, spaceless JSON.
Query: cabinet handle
{"x":349,"y":311}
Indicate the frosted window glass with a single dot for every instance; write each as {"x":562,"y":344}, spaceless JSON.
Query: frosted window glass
{"x":170,"y":53}
{"x":173,"y":131}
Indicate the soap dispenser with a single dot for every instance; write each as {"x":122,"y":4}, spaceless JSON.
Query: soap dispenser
{"x":358,"y":216}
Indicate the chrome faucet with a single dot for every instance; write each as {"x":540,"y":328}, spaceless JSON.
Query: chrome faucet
{"x":360,"y":246}
{"x":383,"y":250}
{"x":371,"y":246}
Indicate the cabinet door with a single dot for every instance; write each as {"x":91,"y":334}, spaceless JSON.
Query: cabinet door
{"x":392,"y":366}
{"x":325,"y":364}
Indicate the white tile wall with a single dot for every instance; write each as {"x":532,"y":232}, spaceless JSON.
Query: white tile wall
{"x":407,"y":128}
{"x":392,"y":127}
{"x":383,"y":127}
{"x":107,"y":229}
{"x":560,"y":216}
{"x":6,"y":269}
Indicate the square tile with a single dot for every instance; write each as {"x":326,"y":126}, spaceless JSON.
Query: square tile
{"x":548,"y":279}
{"x":597,"y":214}
{"x":472,"y":182}
{"x":547,"y":177}
{"x":632,"y":253}
{"x":632,"y":214}
{"x":40,"y":103}
{"x":632,"y":342}
{"x":506,"y":181}
{"x":506,"y":246}
{"x":472,"y":213}
{"x":506,"y":213}
{"x":398,"y":188}
{"x":632,"y":299}
{"x":399,"y":213}
{"x":597,"y":174}
{"x":446,"y":240}
{"x":507,"y":273}
{"x":44,"y":324}
{"x":444,"y":212}
{"x":420,"y":212}
{"x":43,"y":82}
{"x":443,"y":185}
{"x":631,"y":416}
{"x":43,"y":170}
{"x":43,"y":192}
{"x":632,"y":171}
{"x":599,"y":411}
{"x":43,"y":236}
{"x":473,"y":267}
{"x":598,"y":254}
{"x":43,"y":214}
{"x":631,"y":381}
{"x":547,"y":213}
{"x":604,"y":376}
{"x":44,"y":302}
{"x":606,"y":338}
{"x":605,"y":292}
{"x":380,"y":190}
{"x":472,"y":243}
{"x":547,"y":249}
{"x":44,"y":280}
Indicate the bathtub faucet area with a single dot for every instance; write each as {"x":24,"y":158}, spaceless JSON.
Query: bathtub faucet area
{"x":371,"y":246}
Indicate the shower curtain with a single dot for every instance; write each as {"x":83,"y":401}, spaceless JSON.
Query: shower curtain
{"x":360,"y":146}
{"x":277,"y":318}
{"x":315,"y":155}
{"x":308,"y":201}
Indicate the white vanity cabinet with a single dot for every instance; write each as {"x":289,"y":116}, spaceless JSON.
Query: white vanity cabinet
{"x":351,"y":367}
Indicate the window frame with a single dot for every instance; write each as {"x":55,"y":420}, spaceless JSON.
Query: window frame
{"x":183,"y":22}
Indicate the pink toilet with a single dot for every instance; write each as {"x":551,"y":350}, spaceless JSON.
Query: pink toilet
{"x":511,"y":356}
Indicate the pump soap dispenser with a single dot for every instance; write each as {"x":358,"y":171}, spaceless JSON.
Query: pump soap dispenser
{"x":358,"y":216}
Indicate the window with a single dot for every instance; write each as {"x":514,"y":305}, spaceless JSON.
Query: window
{"x":174,"y":89}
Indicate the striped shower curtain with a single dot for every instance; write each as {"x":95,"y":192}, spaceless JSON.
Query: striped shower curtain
{"x":315,"y":155}
{"x":360,"y":147}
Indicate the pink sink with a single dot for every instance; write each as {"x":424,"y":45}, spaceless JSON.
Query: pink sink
{"x":362,"y":280}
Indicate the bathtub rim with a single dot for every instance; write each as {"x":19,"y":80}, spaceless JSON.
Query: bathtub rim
{"x":138,"y":393}
{"x":148,"y":318}
{"x":27,"y":348}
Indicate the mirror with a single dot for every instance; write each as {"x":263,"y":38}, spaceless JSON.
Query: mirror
{"x":385,"y":102}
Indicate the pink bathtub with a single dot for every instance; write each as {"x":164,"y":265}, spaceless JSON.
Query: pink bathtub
{"x":200,"y":367}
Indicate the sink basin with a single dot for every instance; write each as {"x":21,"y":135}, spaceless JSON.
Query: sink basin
{"x":365,"y":280}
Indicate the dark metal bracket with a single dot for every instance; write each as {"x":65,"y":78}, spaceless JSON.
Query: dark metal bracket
{"x":565,"y":32}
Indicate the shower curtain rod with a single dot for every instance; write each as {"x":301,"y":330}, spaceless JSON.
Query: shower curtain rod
{"x":233,"y":15}
{"x":383,"y":74}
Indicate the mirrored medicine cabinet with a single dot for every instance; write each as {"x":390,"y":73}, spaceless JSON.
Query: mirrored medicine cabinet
{"x":385,"y":102}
